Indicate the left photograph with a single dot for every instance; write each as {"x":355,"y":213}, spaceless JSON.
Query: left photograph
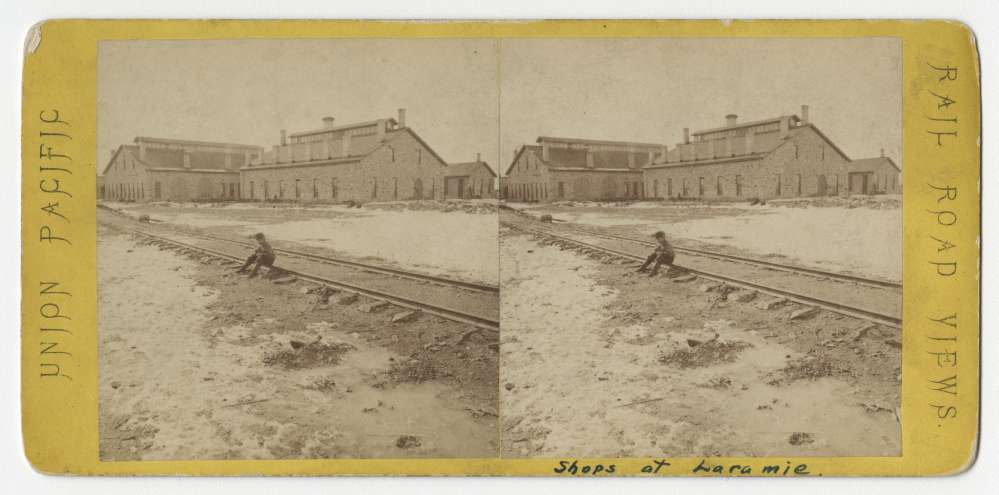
{"x":297,"y":249}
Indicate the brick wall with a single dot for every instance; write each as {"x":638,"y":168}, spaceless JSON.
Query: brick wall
{"x":528,"y":179}
{"x":805,"y":159}
{"x":126,"y":179}
{"x":398,"y":170}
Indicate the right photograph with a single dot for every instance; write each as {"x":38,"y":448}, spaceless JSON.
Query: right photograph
{"x":700,"y":247}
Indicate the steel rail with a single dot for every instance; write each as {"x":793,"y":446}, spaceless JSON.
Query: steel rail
{"x":434,"y":309}
{"x":476,"y":286}
{"x":844,"y":309}
{"x":884,"y":284}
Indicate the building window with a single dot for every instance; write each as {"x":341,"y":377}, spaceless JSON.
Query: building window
{"x":298,"y":188}
{"x":655,"y":188}
{"x":374,"y":188}
{"x":418,"y":188}
{"x":315,"y":188}
{"x":333,"y":188}
{"x":798,"y":185}
{"x":718,"y":186}
{"x":669,"y":187}
{"x":683,"y":191}
{"x":795,"y":151}
{"x":281,"y":189}
{"x":395,"y":188}
{"x":738,"y":185}
{"x":419,"y":155}
{"x":252,"y":190}
{"x":266,"y":192}
{"x":778,"y":185}
{"x":700,"y":186}
{"x":822,"y":153}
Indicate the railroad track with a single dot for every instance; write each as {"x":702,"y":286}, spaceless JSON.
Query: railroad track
{"x":820,"y":274}
{"x":396,"y":272}
{"x":876,"y":315}
{"x":412,"y":300}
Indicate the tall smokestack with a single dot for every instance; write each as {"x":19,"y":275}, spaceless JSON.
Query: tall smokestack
{"x":730,"y":119}
{"x":804,"y":114}
{"x":686,"y":135}
{"x":328,"y":122}
{"x":284,"y":137}
{"x":402,"y":117}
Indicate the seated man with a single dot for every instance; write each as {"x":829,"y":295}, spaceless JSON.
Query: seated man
{"x":663,"y":255}
{"x":263,"y":256}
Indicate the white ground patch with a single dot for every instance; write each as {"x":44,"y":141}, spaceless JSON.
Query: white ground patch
{"x":452,"y":243}
{"x":859,"y":239}
{"x":865,"y":241}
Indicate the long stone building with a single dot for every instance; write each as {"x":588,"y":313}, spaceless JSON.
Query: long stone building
{"x":566,"y":168}
{"x":780,"y":157}
{"x":377,"y":160}
{"x":470,"y":180}
{"x":153,"y":169}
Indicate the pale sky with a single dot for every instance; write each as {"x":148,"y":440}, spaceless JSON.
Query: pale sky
{"x":246,"y":91}
{"x":638,"y":89}
{"x":648,"y":90}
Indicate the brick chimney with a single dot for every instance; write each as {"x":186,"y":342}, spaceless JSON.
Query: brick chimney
{"x":804,"y":114}
{"x":731,"y":119}
{"x":328,"y":122}
{"x":402,"y":117}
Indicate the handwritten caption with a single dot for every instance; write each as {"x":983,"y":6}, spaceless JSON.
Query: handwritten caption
{"x":574,"y":467}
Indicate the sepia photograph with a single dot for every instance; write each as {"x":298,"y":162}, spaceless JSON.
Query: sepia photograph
{"x":461,"y":248}
{"x":701,"y":247}
{"x":297,"y":249}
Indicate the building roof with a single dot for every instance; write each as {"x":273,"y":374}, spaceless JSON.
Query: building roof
{"x":191,"y":142}
{"x":527,"y":147}
{"x":161,"y":161}
{"x":864,"y":164}
{"x":791,"y":132}
{"x":468,"y":168}
{"x":362,"y":151}
{"x":710,"y":161}
{"x":597,"y":142}
{"x":572,"y":160}
{"x":341,"y":128}
{"x":744,"y":125}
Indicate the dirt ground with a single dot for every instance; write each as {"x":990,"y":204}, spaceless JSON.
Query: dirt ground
{"x":598,"y":361}
{"x":199,"y":363}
